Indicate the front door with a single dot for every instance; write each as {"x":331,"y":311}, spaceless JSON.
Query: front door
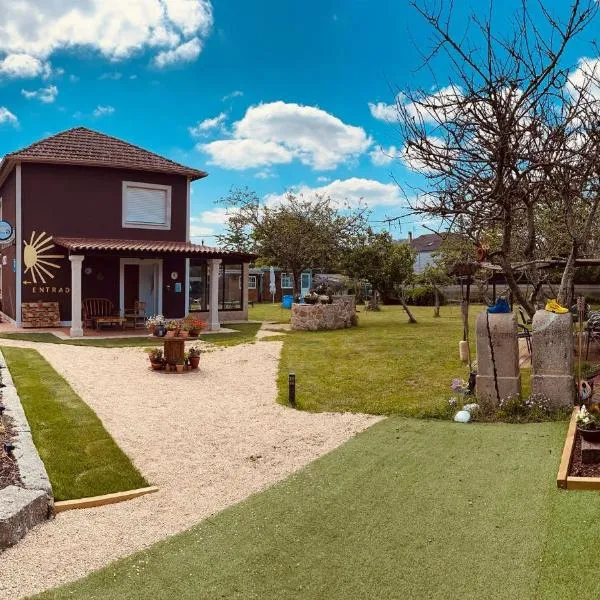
{"x":141,"y":282}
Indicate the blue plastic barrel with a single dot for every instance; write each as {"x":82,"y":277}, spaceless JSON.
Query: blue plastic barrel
{"x":286,"y":301}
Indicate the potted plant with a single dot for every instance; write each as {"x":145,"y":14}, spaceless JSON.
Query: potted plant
{"x":195,"y":326}
{"x":156,"y":358}
{"x":179,"y":366}
{"x":311,"y":298}
{"x":588,"y":423}
{"x":156,"y":325}
{"x":194,"y":357}
{"x":184,"y":329}
{"x":173,"y":328}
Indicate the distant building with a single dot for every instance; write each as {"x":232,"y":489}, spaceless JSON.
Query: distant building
{"x":424,"y":246}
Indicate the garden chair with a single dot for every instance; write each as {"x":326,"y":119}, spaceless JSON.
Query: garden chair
{"x":592,"y":330}
{"x":524,"y":328}
{"x":138,"y":315}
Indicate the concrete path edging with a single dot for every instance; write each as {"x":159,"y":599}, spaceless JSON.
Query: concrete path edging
{"x":22,"y":507}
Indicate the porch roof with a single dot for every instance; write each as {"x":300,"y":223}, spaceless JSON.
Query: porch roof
{"x":155,"y":247}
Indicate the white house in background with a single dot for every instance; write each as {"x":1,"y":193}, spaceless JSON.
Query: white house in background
{"x":424,"y":246}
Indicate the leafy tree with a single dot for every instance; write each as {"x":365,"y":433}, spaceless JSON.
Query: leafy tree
{"x":436,"y":276}
{"x":385,"y":264}
{"x":295,"y":234}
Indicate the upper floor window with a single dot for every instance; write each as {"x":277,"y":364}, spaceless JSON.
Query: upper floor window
{"x":146,"y":205}
{"x":287,"y":281}
{"x":251,"y":282}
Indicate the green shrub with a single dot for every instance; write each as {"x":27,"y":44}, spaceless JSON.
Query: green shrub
{"x":422,"y":296}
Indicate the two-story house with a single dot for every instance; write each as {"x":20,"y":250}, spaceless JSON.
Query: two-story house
{"x":97,"y":217}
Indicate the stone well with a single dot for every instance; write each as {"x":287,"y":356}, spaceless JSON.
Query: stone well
{"x":313,"y":317}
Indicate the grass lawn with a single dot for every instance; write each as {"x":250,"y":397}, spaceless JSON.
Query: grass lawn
{"x":266,"y":311}
{"x":408,"y":510}
{"x":80,"y":456}
{"x":245,"y":333}
{"x":383,"y":366}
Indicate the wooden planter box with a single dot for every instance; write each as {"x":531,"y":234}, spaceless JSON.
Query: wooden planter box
{"x":563,"y":479}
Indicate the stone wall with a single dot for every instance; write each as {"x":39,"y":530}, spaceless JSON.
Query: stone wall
{"x":313,"y":317}
{"x":40,"y":314}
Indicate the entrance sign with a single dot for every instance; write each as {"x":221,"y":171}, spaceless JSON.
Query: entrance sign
{"x":6,"y":231}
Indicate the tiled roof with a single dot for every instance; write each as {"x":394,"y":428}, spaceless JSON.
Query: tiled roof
{"x":82,"y":146}
{"x":162,"y":247}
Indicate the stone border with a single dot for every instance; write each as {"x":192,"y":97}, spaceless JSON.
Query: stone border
{"x":24,"y":507}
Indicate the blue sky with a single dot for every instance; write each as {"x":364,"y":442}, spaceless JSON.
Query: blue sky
{"x":266,"y":94}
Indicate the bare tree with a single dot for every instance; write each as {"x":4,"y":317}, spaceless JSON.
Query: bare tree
{"x":512,"y":137}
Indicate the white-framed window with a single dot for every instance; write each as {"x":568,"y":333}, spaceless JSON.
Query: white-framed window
{"x":287,"y":281}
{"x":146,"y":205}
{"x":251,"y":282}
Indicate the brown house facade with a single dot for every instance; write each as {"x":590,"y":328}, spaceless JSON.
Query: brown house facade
{"x":96,"y":217}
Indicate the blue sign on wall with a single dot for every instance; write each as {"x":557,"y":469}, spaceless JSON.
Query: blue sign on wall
{"x":178,"y":286}
{"x":6,"y":231}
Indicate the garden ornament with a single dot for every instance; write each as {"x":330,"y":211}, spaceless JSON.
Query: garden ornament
{"x":462,"y":416}
{"x":554,"y":307}
{"x":501,"y":306}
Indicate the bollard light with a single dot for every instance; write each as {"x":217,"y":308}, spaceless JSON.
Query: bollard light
{"x":292,"y":389}
{"x":8,"y":447}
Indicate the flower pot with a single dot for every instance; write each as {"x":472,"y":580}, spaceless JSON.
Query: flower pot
{"x":157,"y":366}
{"x":194,"y":361}
{"x":152,"y":329}
{"x":179,"y":368}
{"x":159,"y":331}
{"x":193,"y":333}
{"x":183,"y":334}
{"x":589,"y":435}
{"x":170,"y":333}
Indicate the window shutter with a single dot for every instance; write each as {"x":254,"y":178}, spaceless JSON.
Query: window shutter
{"x":146,"y":205}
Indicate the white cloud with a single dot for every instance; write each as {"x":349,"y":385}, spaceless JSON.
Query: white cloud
{"x":7,"y":117}
{"x":352,"y":191}
{"x":265,"y":174}
{"x":31,"y":31}
{"x":73,"y":78}
{"x":434,"y":108}
{"x":585,"y":78}
{"x":245,"y":154}
{"x":230,"y":96}
{"x":114,"y":75}
{"x":47,"y":95}
{"x":216,"y":216}
{"x":21,"y":66}
{"x":187,"y":52}
{"x":202,"y":127}
{"x":278,"y":132}
{"x":381,"y":157}
{"x":101,"y":111}
{"x":323,"y":179}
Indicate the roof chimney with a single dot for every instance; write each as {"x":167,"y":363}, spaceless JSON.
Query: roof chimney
{"x":410,"y":236}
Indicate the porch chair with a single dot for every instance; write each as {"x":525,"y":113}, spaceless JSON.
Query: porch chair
{"x":137,"y":315}
{"x":524,"y":328}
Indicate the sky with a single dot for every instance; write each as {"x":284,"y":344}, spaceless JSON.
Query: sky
{"x":274,"y":95}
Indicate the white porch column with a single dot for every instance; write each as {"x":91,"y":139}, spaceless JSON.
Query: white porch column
{"x":76,"y":324}
{"x":213,"y":310}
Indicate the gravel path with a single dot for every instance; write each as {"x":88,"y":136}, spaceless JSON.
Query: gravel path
{"x":208,"y":439}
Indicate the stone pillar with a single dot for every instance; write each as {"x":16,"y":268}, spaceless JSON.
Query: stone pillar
{"x":213,"y":309}
{"x":498,"y":374}
{"x":552,"y":357}
{"x":76,"y":324}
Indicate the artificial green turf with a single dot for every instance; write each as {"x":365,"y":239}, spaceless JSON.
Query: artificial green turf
{"x":384,"y":366}
{"x":245,"y":332}
{"x":408,"y":510}
{"x":80,"y":456}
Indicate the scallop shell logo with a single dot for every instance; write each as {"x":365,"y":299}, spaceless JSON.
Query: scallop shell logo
{"x":36,"y":255}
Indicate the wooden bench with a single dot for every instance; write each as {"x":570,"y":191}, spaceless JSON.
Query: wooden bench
{"x":100,"y":311}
